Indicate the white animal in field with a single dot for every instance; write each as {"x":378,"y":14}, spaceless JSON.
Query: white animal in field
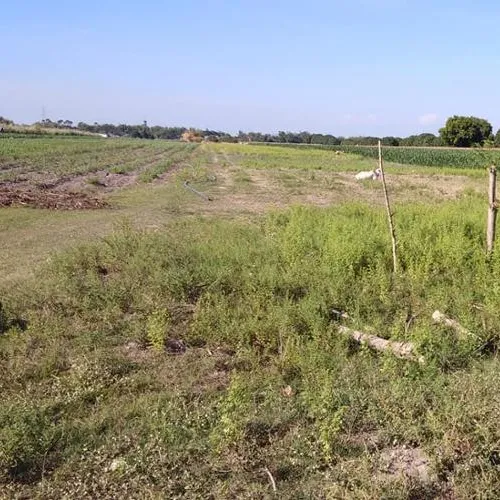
{"x":372,"y":174}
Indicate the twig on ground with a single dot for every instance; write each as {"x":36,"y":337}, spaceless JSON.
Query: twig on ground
{"x":198,"y":193}
{"x":271,"y":479}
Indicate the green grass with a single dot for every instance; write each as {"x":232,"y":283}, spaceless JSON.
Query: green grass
{"x":33,"y":235}
{"x":266,"y":382}
{"x":282,"y":157}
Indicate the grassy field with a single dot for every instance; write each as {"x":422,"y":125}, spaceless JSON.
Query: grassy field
{"x":181,"y":348}
{"x":476,"y":158}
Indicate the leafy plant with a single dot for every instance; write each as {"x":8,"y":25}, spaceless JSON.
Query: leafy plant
{"x":157,"y":325}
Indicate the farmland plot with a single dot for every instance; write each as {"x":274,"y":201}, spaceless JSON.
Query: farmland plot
{"x":69,"y":164}
{"x":194,"y":352}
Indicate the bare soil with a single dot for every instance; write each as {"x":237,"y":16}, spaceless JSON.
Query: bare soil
{"x":407,"y":462}
{"x":40,"y":198}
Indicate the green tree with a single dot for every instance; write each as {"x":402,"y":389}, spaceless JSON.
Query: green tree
{"x":497,"y":139}
{"x":465,"y":131}
{"x":424,"y":139}
{"x":390,"y":141}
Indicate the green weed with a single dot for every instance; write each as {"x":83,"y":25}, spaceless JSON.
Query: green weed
{"x":157,"y":325}
{"x":267,"y":382}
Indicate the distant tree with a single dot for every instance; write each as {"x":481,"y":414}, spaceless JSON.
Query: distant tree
{"x":360,"y":141}
{"x":47,"y":123}
{"x":282,"y":136}
{"x":228,"y":138}
{"x":465,"y":131}
{"x":497,"y":139}
{"x":426,"y":139}
{"x":305,"y":137}
{"x":212,"y":138}
{"x":318,"y":139}
{"x":490,"y":142}
{"x":6,"y":121}
{"x":332,"y":140}
{"x":390,"y":141}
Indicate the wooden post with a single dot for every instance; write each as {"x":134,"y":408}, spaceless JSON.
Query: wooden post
{"x":389,"y":213}
{"x":492,"y":211}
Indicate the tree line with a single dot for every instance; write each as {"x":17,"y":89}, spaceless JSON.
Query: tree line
{"x":459,"y":131}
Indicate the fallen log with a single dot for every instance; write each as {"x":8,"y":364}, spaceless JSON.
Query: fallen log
{"x":440,"y":318}
{"x":404,"y":350}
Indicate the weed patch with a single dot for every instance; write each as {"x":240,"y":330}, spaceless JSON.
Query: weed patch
{"x":265,"y":384}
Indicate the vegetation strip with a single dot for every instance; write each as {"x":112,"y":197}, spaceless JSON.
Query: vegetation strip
{"x":431,"y":157}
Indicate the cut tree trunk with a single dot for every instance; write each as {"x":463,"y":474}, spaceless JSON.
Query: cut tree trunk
{"x":404,"y":350}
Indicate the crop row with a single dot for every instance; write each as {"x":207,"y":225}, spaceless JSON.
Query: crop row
{"x":431,"y":157}
{"x":79,"y":155}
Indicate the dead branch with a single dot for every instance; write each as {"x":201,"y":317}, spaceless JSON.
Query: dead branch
{"x":439,"y":317}
{"x":271,"y":479}
{"x":196,"y":192}
{"x":404,"y":350}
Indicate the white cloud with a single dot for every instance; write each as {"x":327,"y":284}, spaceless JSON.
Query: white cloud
{"x":428,"y":119}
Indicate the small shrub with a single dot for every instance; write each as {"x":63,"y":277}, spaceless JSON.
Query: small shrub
{"x":157,"y":325}
{"x":233,"y":414}
{"x":27,"y":435}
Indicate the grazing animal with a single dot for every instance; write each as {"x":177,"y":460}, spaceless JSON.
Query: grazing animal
{"x":372,"y":174}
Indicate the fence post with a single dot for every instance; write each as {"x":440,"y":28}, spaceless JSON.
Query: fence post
{"x":389,"y":213}
{"x":492,"y":211}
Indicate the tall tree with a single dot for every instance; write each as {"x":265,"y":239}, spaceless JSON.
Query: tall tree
{"x":465,"y":131}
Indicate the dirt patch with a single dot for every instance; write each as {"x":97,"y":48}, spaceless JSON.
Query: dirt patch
{"x":40,"y":198}
{"x":411,"y":463}
{"x":136,"y":352}
{"x":265,"y":190}
{"x":101,"y":180}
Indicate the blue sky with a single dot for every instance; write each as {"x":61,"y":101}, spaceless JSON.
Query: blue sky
{"x":378,"y":67}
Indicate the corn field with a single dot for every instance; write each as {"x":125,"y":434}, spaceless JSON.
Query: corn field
{"x":430,"y":157}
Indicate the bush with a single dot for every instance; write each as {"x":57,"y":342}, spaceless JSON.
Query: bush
{"x":27,"y":435}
